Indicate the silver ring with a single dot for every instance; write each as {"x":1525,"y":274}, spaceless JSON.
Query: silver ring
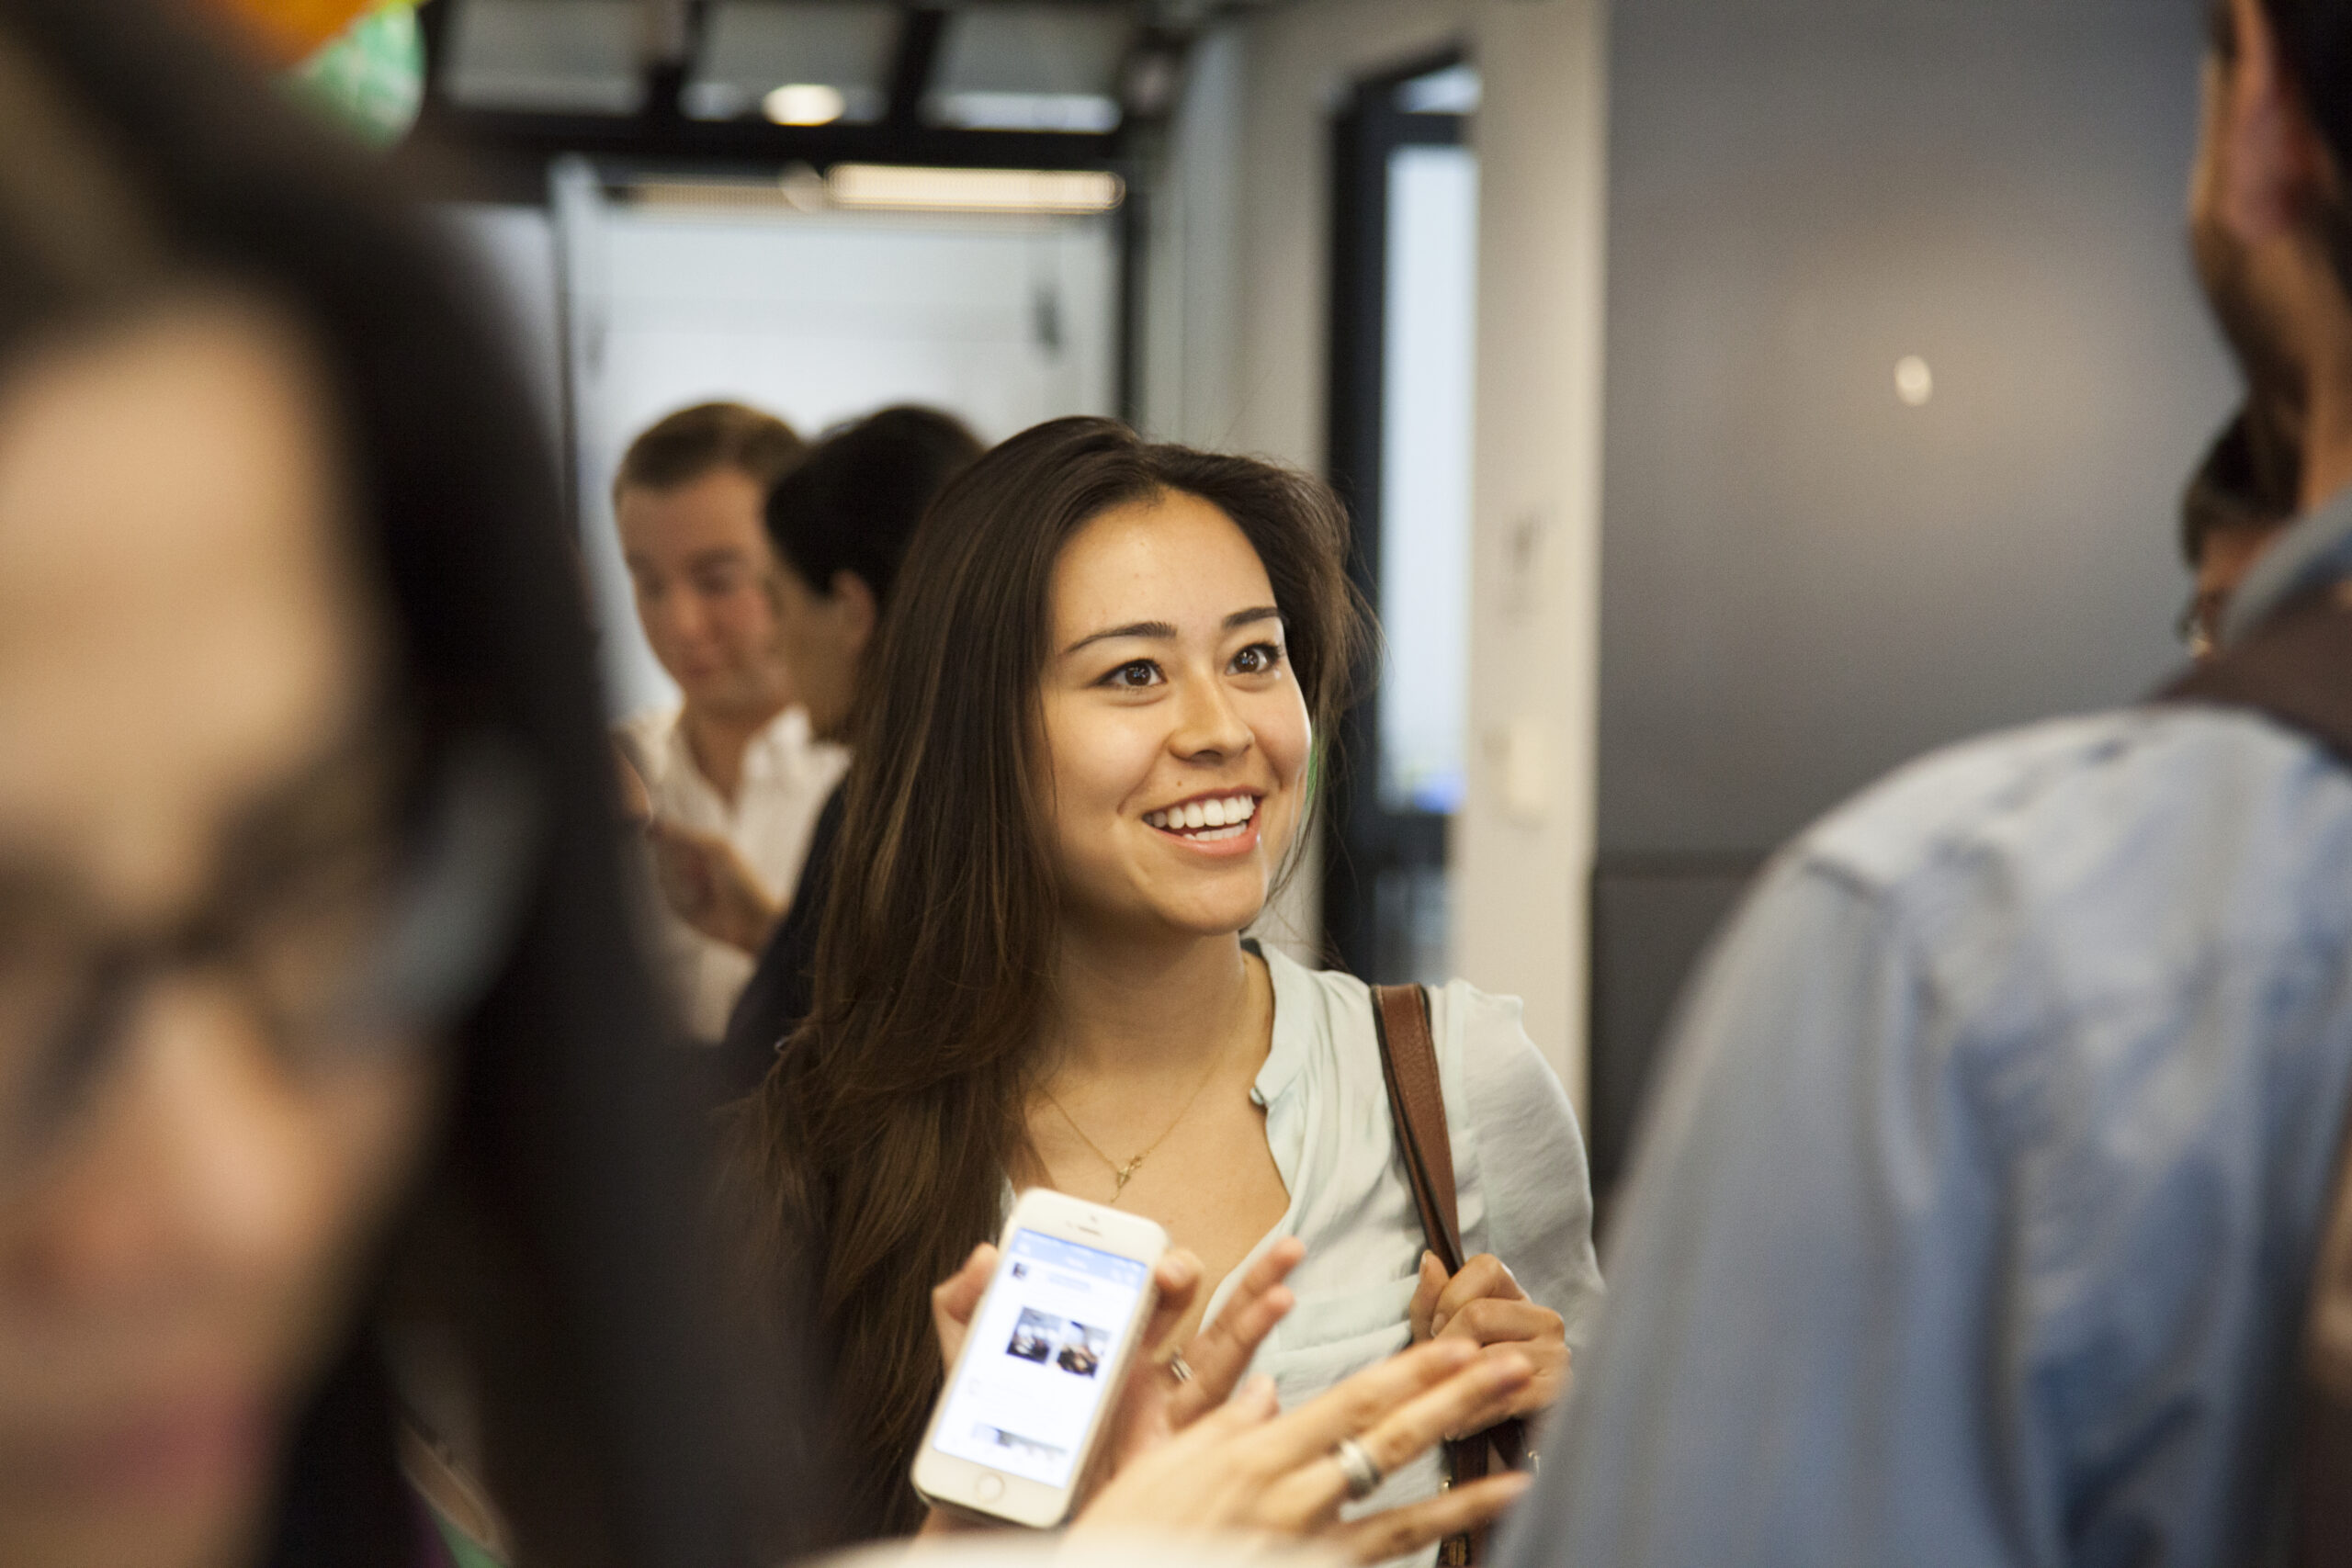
{"x":1179,"y":1367}
{"x":1363,"y":1476}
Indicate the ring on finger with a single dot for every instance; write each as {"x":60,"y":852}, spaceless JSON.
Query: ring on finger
{"x":1179,"y":1367}
{"x":1362,"y":1475}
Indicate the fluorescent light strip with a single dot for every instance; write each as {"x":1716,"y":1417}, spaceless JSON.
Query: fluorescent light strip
{"x":1083,"y":113}
{"x":895,"y":188}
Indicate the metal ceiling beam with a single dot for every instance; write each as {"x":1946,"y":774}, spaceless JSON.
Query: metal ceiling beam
{"x":487,"y":155}
{"x":921,"y":28}
{"x":502,"y":155}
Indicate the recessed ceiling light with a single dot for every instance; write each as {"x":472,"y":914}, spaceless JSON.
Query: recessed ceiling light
{"x":805,"y":102}
{"x":1914,"y":382}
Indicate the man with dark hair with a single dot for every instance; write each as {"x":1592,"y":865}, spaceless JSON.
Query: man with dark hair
{"x":733,"y":772}
{"x":839,"y":524}
{"x":2237,"y":503}
{"x":1975,"y":1222}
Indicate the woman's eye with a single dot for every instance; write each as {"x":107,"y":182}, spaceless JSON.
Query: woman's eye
{"x":1257,"y":658}
{"x":1127,"y":677}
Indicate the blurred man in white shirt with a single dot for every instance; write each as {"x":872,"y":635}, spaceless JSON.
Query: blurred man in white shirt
{"x":734,"y":765}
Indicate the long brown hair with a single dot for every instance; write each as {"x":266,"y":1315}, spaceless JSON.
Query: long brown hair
{"x":885,"y":1133}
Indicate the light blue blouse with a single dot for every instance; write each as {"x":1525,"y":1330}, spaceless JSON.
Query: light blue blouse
{"x":1519,"y":1173}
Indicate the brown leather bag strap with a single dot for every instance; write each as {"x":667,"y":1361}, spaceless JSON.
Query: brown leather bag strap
{"x":2298,"y":669}
{"x":1400,"y":1016}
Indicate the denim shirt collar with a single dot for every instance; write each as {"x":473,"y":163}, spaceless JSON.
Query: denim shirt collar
{"x":2315,"y":550}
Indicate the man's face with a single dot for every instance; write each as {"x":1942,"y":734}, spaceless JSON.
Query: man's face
{"x":704,"y":575}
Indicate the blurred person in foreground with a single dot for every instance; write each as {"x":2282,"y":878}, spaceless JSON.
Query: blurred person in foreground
{"x":840,"y":523}
{"x":1976,"y":1220}
{"x":319,"y":1013}
{"x":321,"y":1025}
{"x":732,"y":775}
{"x":2241,"y":496}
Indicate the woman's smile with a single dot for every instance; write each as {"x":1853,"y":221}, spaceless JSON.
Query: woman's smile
{"x":1221,"y":820}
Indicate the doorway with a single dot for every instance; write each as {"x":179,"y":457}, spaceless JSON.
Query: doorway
{"x":1404,"y":313}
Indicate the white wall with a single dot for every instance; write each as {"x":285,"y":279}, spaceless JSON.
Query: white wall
{"x":1523,"y":849}
{"x":1003,"y":321}
{"x":1252,"y":150}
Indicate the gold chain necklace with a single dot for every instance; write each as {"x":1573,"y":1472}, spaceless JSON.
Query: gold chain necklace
{"x":1121,"y":1174}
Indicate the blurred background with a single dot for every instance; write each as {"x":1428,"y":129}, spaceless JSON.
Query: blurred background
{"x":1735,"y":397}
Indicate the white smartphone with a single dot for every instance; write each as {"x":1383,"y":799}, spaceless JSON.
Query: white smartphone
{"x":1026,"y":1400}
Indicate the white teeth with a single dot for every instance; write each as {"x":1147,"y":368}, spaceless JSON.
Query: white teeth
{"x":1206,"y":819}
{"x":1214,"y":834}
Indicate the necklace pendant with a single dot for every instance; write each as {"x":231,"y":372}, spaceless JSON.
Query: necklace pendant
{"x":1121,"y":1176}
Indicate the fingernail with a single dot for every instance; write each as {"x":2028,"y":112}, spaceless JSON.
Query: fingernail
{"x":1437,"y":1325}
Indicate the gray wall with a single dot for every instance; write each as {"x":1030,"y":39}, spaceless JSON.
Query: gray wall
{"x":1804,"y":580}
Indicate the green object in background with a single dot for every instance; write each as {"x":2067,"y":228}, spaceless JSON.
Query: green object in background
{"x":464,"y":1550}
{"x":371,"y":79}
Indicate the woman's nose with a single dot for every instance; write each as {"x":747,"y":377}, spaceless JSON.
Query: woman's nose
{"x":1209,"y":724}
{"x":196,"y":1172}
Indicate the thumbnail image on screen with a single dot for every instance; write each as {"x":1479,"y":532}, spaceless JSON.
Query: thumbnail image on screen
{"x":1073,"y":1346}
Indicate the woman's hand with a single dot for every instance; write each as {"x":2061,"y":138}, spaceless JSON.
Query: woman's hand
{"x":1153,"y":1398}
{"x":1484,"y":1305}
{"x":1243,"y":1469}
{"x":1154,"y":1403}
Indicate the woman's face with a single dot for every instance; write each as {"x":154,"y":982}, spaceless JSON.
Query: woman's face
{"x":184,"y":664}
{"x":1176,"y":735}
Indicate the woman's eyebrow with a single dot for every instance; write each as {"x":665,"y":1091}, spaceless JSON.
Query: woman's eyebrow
{"x":1160,"y":630}
{"x":1164,"y":632}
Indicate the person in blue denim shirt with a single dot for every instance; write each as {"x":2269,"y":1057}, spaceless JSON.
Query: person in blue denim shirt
{"x":1975,"y":1218}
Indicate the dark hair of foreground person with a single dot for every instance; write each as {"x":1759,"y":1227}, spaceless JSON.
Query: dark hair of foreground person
{"x":139,"y":161}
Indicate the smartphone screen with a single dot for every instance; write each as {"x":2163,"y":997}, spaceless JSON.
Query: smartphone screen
{"x":1032,"y":1373}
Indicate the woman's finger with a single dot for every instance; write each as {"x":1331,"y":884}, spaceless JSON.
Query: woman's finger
{"x":1394,"y":1532}
{"x":1308,"y":1434}
{"x":1484,"y":1276}
{"x":1220,"y":1353}
{"x":1403,"y":1434}
{"x":1493,"y":1321}
{"x":954,"y":1299}
{"x":1177,"y":1278}
{"x":1426,"y":1291}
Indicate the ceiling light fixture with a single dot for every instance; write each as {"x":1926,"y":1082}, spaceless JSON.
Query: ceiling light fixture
{"x":1058,"y":193}
{"x":805,"y":102}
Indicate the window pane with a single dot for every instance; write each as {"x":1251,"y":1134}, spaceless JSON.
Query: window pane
{"x":1425,"y":476}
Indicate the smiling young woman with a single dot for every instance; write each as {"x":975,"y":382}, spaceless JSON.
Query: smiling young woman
{"x":1084,"y":766}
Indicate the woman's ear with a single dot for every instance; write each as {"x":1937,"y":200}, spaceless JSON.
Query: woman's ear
{"x":853,"y":600}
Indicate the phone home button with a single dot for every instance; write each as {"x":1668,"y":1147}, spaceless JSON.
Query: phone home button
{"x":988,"y":1487}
